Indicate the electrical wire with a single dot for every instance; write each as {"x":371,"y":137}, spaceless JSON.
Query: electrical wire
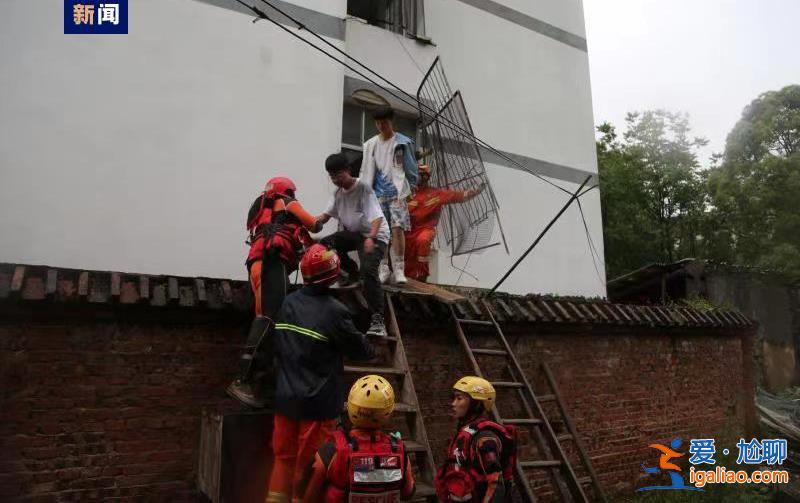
{"x":541,"y":234}
{"x":587,"y":190}
{"x":592,"y":249}
{"x":413,"y":102}
{"x":397,"y":37}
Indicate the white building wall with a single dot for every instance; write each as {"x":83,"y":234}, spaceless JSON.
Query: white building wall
{"x":528,"y":94}
{"x":525,"y":93}
{"x":142,"y":152}
{"x":564,"y":14}
{"x":561,"y":263}
{"x":400,"y":59}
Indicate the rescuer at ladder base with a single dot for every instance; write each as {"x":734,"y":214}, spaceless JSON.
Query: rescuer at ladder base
{"x":482,"y":455}
{"x":365,"y":464}
{"x":313,"y":334}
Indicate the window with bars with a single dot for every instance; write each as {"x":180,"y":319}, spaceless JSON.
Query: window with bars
{"x":406,"y":17}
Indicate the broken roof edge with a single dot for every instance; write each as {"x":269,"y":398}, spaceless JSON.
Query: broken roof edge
{"x":42,"y":283}
{"x":709,"y":264}
{"x":652,"y":268}
{"x":785,"y":276}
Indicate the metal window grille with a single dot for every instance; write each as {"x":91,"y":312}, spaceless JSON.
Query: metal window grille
{"x":456,"y":164}
{"x":406,"y":17}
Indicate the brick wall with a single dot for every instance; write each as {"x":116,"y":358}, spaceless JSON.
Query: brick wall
{"x":110,"y":408}
{"x":624,"y":388}
{"x":99,"y":402}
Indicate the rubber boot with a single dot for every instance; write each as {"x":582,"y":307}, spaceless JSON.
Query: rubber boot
{"x":244,"y":387}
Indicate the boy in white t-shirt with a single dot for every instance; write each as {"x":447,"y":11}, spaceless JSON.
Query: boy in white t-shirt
{"x":365,"y":230}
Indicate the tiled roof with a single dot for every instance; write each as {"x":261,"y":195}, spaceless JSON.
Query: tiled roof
{"x":30,"y":283}
{"x":535,"y":308}
{"x":45,"y":283}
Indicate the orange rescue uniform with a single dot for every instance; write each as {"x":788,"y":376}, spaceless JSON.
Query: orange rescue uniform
{"x":296,"y":214}
{"x":294,"y":444}
{"x":425,"y":209}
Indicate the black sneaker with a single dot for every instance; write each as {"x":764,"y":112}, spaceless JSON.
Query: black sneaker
{"x":377,"y":328}
{"x":244,"y":392}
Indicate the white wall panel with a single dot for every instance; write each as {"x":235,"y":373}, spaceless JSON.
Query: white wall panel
{"x":526,"y":93}
{"x":142,"y":152}
{"x":564,"y":14}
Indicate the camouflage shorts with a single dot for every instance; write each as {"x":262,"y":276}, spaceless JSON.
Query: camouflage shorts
{"x":395,"y":211}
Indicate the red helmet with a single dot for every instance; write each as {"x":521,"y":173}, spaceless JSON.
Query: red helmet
{"x":319,"y":266}
{"x":280,"y":186}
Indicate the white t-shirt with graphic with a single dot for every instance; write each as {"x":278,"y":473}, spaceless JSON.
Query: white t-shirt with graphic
{"x":356,"y":209}
{"x":385,"y":160}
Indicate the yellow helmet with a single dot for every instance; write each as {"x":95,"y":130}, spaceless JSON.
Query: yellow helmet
{"x":370,"y":402}
{"x":478,"y":389}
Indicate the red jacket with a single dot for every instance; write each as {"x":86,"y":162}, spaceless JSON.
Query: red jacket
{"x":366,"y":466}
{"x":280,"y":224}
{"x":425,"y":208}
{"x":480,"y":463}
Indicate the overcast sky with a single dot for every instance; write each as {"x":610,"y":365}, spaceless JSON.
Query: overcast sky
{"x":709,"y":58}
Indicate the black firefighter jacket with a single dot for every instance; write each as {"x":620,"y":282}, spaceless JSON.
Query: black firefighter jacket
{"x":313,"y":334}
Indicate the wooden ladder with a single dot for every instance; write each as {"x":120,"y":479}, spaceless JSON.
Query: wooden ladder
{"x":407,"y":405}
{"x":562,"y":475}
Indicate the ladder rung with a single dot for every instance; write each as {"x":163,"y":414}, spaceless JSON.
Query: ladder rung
{"x":585,"y":480}
{"x":485,"y":351}
{"x":546,"y":398}
{"x":565,"y":436}
{"x":549,"y":463}
{"x":404,"y":407}
{"x":521,"y":421}
{"x":424,"y":490}
{"x":354,"y":369}
{"x":507,"y":384}
{"x":414,"y":446}
{"x":474,"y":322}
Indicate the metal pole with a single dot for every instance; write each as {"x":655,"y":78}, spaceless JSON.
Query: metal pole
{"x":541,"y":234}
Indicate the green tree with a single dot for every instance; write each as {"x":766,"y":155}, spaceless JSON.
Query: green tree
{"x":754,"y":186}
{"x":628,"y":239}
{"x":653,"y":195}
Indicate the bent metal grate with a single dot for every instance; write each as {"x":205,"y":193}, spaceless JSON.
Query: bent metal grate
{"x":456,"y":164}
